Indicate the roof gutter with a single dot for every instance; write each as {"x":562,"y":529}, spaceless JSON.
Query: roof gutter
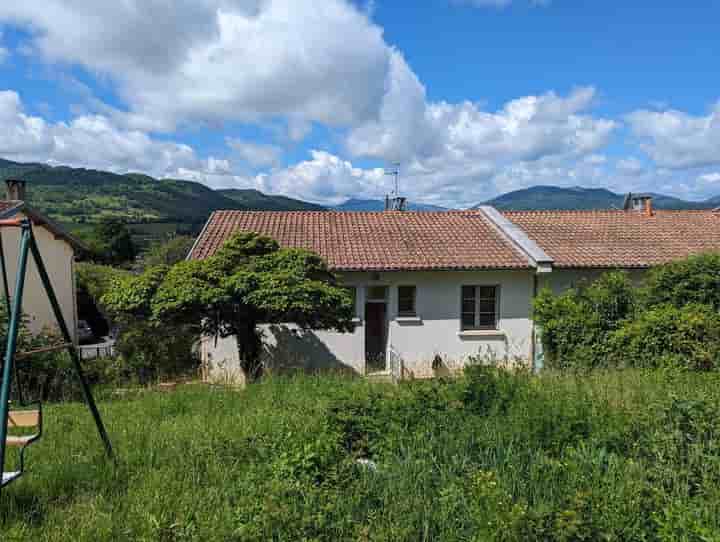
{"x":537,"y":257}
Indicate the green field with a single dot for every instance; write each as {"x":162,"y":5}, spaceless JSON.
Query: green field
{"x":615,"y":456}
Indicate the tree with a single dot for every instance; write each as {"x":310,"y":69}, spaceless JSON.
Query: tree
{"x":111,"y":242}
{"x":693,"y":280}
{"x":250,"y":281}
{"x":168,"y":253}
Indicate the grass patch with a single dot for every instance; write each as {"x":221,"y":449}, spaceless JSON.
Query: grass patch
{"x":493,"y":456}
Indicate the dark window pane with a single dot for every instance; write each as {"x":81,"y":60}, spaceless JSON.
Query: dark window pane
{"x":487,"y":306}
{"x":468,"y":306}
{"x":468,"y":320}
{"x":468,"y":292}
{"x":487,"y":320}
{"x":406,"y":300}
{"x":487,"y":292}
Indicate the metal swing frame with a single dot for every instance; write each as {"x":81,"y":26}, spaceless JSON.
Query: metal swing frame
{"x":28,"y":246}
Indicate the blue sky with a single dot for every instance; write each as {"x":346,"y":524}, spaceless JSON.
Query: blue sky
{"x":313,"y":98}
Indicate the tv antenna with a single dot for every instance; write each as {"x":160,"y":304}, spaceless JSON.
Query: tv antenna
{"x":396,"y":202}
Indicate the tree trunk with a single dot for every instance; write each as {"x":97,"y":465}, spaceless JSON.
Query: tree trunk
{"x":249,"y":346}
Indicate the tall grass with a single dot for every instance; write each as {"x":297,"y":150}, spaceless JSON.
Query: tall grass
{"x":492,"y":456}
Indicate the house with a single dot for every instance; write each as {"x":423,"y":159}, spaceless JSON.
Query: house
{"x":58,"y":249}
{"x":434,"y":288}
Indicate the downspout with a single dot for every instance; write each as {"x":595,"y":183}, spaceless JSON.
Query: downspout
{"x":538,"y":259}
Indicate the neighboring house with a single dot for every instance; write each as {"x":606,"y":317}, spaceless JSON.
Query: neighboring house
{"x":434,"y":288}
{"x":58,"y":250}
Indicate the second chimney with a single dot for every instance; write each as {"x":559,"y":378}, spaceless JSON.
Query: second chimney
{"x":15,"y":189}
{"x":648,"y":207}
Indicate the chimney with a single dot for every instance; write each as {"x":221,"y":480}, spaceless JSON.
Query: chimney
{"x":15,"y":189}
{"x":639,"y":202}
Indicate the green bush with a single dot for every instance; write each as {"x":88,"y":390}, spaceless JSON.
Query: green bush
{"x":575,"y":324}
{"x":693,"y":280}
{"x":490,"y":390}
{"x":669,"y":336}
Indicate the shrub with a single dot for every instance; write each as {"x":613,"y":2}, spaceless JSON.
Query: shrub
{"x":576,"y":323}
{"x":693,"y":280}
{"x":669,"y":336}
{"x":490,"y":390}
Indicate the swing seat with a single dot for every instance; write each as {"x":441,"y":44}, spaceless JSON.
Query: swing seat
{"x":10,"y":477}
{"x":22,"y":419}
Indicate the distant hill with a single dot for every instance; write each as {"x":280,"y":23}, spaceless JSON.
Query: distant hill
{"x":263,"y":202}
{"x":85,"y":196}
{"x":354,"y":204}
{"x":554,"y":197}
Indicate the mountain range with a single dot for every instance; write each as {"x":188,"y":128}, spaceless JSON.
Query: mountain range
{"x":79,"y":197}
{"x":554,"y":197}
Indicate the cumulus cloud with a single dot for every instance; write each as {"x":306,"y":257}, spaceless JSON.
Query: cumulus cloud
{"x":88,"y":141}
{"x":678,"y":140}
{"x":256,"y":154}
{"x":293,"y":65}
{"x":438,"y":135}
{"x":324,"y":178}
{"x":219,"y":60}
{"x":709,"y":178}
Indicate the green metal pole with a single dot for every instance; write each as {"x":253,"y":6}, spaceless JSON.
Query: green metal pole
{"x":13,"y":328}
{"x":72,"y":351}
{"x":6,"y":287}
{"x":6,"y":293}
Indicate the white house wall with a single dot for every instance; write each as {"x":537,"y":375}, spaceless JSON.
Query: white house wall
{"x":59,"y":260}
{"x":435,"y":332}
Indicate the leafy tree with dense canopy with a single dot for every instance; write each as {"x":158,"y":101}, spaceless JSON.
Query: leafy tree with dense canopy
{"x":168,"y":252}
{"x":110,"y":242}
{"x":248,"y":282}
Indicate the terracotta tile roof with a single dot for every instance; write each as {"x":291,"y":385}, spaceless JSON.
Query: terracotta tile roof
{"x":619,"y":238}
{"x":374,"y":241}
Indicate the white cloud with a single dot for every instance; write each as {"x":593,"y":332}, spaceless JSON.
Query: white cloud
{"x":678,"y":140}
{"x":219,"y":60}
{"x":442,"y":135}
{"x":709,"y":178}
{"x":88,"y":141}
{"x":256,"y":154}
{"x":324,"y":178}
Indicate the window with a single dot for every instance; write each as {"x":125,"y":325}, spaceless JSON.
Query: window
{"x":478,"y":307}
{"x":406,"y":300}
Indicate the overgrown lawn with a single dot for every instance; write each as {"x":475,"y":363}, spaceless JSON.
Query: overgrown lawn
{"x":623,"y":455}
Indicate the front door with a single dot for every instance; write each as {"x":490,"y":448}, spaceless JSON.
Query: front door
{"x":375,"y":336}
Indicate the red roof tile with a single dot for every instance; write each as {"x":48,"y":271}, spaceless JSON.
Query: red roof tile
{"x":374,"y":241}
{"x":619,"y":238}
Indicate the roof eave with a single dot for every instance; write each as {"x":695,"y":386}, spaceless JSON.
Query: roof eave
{"x":41,"y":220}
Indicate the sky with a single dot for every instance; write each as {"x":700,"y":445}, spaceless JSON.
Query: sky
{"x":315,"y":99}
